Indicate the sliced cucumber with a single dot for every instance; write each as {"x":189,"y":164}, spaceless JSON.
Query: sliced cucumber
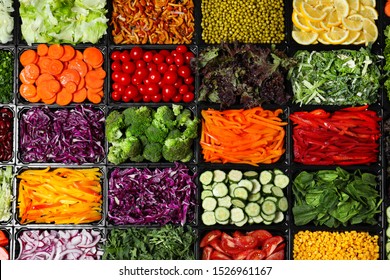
{"x":265,"y":177}
{"x":252,"y":209}
{"x":224,"y":222}
{"x":237,"y":215}
{"x":388,"y":212}
{"x":209,"y":203}
{"x":258,"y":219}
{"x":222,"y":214}
{"x":250,"y":221}
{"x":246,"y":184}
{"x":225,"y":201}
{"x":207,"y":187}
{"x":268,"y":218}
{"x":251,"y":175}
{"x":243,"y":222}
{"x":261,"y":200}
{"x":206,"y":177}
{"x":388,"y":232}
{"x":281,"y":181}
{"x":272,"y":198}
{"x":268,"y":207}
{"x":208,"y":218}
{"x":279,"y":217}
{"x":232,"y":187}
{"x":276,"y":191}
{"x":219,"y":176}
{"x":238,"y":202}
{"x":278,"y":171}
{"x":282,"y":204}
{"x":388,"y":247}
{"x":206,"y":193}
{"x":267,"y":222}
{"x":220,"y":190}
{"x":254,"y":197}
{"x":256,"y":185}
{"x":235,"y":176}
{"x":266,"y":189}
{"x":241,"y":193}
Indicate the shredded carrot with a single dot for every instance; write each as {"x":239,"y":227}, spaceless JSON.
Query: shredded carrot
{"x":60,"y":196}
{"x":250,"y":136}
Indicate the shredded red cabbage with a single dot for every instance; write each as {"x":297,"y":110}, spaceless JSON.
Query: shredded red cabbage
{"x":72,"y":136}
{"x":144,"y":196}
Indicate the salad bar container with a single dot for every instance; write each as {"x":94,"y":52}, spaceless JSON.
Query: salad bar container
{"x":123,"y":171}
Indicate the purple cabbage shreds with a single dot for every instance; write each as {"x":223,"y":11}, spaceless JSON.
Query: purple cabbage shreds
{"x":72,"y":136}
{"x":144,"y":196}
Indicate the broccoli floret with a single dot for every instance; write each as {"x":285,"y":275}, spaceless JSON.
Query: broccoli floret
{"x":144,"y":140}
{"x":152,"y":152}
{"x":114,"y":124}
{"x":191,"y":130}
{"x":178,"y":149}
{"x":139,"y":158}
{"x":156,"y":133}
{"x":137,"y":120}
{"x":183,"y":117}
{"x":176,"y":109}
{"x":123,"y":149}
{"x":165,"y":116}
{"x":175,"y":133}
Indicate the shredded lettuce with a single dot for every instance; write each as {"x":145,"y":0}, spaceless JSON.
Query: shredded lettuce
{"x":6,"y":197}
{"x":6,"y":21}
{"x":66,"y":21}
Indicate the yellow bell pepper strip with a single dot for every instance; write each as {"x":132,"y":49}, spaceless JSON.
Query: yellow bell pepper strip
{"x":60,"y":196}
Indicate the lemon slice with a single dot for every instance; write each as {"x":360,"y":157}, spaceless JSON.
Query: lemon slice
{"x":333,"y":19}
{"x":321,"y":39}
{"x":370,"y":30}
{"x":300,"y":22}
{"x":315,"y":26}
{"x":342,"y":8}
{"x":368,"y":12}
{"x":352,"y":37}
{"x":353,"y":22}
{"x":336,"y":36}
{"x":354,"y":5}
{"x":371,"y":3}
{"x":304,"y":38}
{"x":361,"y":39}
{"x":311,"y":13}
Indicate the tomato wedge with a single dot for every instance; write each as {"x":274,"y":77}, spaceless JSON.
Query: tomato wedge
{"x":216,"y":245}
{"x":246,"y":242}
{"x":215,"y":255}
{"x":243,"y":254}
{"x":261,"y":235}
{"x":238,"y":233}
{"x":276,"y":256}
{"x":207,"y":251}
{"x":271,"y":244}
{"x":229,"y":246}
{"x":210,"y":236}
{"x":3,"y":239}
{"x":256,"y":255}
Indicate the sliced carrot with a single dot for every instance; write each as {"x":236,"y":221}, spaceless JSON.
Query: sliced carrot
{"x":93,"y":56}
{"x":80,"y":95}
{"x":27,"y":91}
{"x":31,"y":71}
{"x":100,"y":72}
{"x":71,"y":87}
{"x":56,"y":51}
{"x":79,"y":55}
{"x":78,"y":65}
{"x":387,"y":8}
{"x":42,"y":49}
{"x":94,"y":97}
{"x":81,"y":84}
{"x":69,"y":75}
{"x":50,"y":100}
{"x":95,"y":90}
{"x":34,"y":99}
{"x":69,"y":53}
{"x":44,"y":77}
{"x":55,"y":67}
{"x":23,"y":78}
{"x":44,"y":92}
{"x":28,"y":57}
{"x":44,"y":64}
{"x":64,"y":97}
{"x":53,"y":86}
{"x":92,"y":80}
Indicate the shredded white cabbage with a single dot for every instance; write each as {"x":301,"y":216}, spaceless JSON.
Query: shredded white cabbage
{"x":6,"y":21}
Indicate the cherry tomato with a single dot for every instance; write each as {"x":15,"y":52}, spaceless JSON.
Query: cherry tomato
{"x":206,"y":254}
{"x":142,"y":89}
{"x":115,"y":55}
{"x":181,"y":49}
{"x":169,"y":59}
{"x":189,"y":80}
{"x":131,"y":91}
{"x":136,"y":53}
{"x":154,"y":76}
{"x":116,"y":96}
{"x":128,"y":67}
{"x":174,"y":53}
{"x":176,"y":98}
{"x":162,"y":68}
{"x":147,"y":81}
{"x":170,"y":78}
{"x":115,"y":86}
{"x":151,"y":66}
{"x":120,"y":88}
{"x":152,"y":89}
{"x":179,"y":59}
{"x":138,"y":98}
{"x":116,"y":65}
{"x":166,"y":98}
{"x":140,"y":64}
{"x":188,"y":56}
{"x":172,"y":67}
{"x":191,"y":87}
{"x":124,"y":79}
{"x":148,"y":56}
{"x":146,"y":98}
{"x":125,"y":56}
{"x":184,"y":71}
{"x":158,"y":58}
{"x":142,"y":72}
{"x":115,"y":76}
{"x":165,"y":53}
{"x":188,"y":97}
{"x":125,"y":98}
{"x":179,"y":83}
{"x":156,"y":98}
{"x":183,"y":89}
{"x":210,"y":236}
{"x":168,"y":91}
{"x":136,"y":79}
